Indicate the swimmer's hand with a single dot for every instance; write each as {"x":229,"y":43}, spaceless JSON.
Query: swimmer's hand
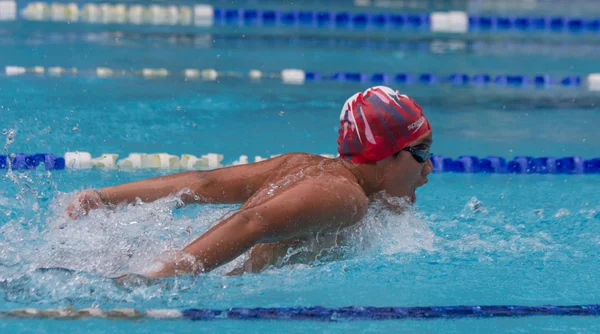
{"x":84,"y":202}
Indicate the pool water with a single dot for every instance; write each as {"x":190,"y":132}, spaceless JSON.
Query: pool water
{"x":471,"y":239}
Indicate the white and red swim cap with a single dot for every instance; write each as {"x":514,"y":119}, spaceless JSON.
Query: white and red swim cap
{"x":378,"y":123}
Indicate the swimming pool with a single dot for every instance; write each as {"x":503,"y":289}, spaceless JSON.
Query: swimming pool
{"x":473,"y":239}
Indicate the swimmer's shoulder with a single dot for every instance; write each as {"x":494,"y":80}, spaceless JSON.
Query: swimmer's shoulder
{"x":288,"y":161}
{"x":334,"y":172}
{"x":255,"y":175}
{"x":324,"y":177}
{"x":300,"y":158}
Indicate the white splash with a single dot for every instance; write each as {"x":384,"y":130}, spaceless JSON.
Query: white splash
{"x":391,"y":226}
{"x":106,"y":242}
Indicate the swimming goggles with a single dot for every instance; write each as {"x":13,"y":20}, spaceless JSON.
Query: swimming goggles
{"x":420,"y":155}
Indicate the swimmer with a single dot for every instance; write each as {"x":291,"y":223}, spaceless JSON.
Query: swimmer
{"x":296,"y":199}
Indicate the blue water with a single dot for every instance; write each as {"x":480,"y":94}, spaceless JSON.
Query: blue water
{"x":471,"y":239}
{"x":234,"y":117}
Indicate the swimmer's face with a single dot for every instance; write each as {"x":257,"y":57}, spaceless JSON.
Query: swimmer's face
{"x":402,"y":174}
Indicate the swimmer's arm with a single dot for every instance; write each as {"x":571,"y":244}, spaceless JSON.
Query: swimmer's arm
{"x":305,"y":208}
{"x":228,"y":185}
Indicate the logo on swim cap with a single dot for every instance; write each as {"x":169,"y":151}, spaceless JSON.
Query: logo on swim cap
{"x":416,"y":125}
{"x":378,"y":123}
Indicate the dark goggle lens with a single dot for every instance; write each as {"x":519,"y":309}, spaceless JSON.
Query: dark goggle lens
{"x":420,"y":155}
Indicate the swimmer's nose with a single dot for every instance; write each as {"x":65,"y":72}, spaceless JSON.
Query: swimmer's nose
{"x":428,"y":168}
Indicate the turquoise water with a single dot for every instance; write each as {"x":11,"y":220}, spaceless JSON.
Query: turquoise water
{"x":235,"y":117}
{"x":471,"y":239}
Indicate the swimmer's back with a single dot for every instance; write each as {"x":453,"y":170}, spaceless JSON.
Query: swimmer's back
{"x":305,"y":165}
{"x":238,"y":183}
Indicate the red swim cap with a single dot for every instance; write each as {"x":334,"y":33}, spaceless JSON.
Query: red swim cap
{"x":378,"y":123}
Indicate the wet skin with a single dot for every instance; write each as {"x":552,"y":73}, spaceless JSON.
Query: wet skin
{"x":295,"y":201}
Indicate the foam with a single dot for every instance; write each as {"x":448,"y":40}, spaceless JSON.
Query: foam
{"x":111,"y":241}
{"x":132,"y":237}
{"x":391,"y":226}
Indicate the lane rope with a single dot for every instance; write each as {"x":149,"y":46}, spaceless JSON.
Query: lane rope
{"x":315,"y":313}
{"x":206,"y":15}
{"x":165,"y":161}
{"x":299,"y":76}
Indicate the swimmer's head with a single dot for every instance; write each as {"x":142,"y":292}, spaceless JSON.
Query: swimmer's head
{"x":382,"y":127}
{"x":377,"y":124}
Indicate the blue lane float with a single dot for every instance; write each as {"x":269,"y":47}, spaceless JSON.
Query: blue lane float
{"x":22,"y":161}
{"x":441,"y":164}
{"x":518,"y":165}
{"x":454,"y":79}
{"x":389,"y":313}
{"x":358,"y":20}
